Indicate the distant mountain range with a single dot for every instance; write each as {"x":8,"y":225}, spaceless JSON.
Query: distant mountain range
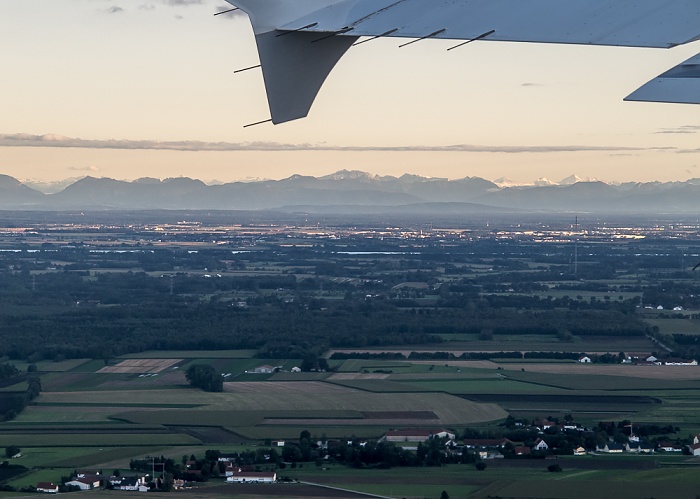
{"x":356,"y":192}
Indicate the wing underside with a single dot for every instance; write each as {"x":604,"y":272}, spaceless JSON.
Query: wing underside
{"x":680,"y":85}
{"x":634,"y":23}
{"x":320,"y":31}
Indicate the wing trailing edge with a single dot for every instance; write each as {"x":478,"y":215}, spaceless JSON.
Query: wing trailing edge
{"x":680,"y":85}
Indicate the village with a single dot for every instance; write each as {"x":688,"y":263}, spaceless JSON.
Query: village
{"x":545,"y":439}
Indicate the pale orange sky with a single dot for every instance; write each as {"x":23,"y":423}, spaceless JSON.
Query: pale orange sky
{"x":137,"y":70}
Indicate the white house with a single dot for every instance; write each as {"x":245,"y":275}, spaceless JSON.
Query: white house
{"x":489,"y":443}
{"x":695,"y":449}
{"x":128,"y":483}
{"x":670,"y":447}
{"x":85,"y":483}
{"x":579,"y":451}
{"x":680,"y":362}
{"x":264,"y":369}
{"x":584,"y":359}
{"x":612,"y":448}
{"x":641,"y":448}
{"x":253,"y":477}
{"x":540,"y":445}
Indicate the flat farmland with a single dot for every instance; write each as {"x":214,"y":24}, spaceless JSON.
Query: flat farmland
{"x":304,"y":376}
{"x":584,"y":487}
{"x":86,"y":381}
{"x":75,"y":457}
{"x":594,"y":381}
{"x":61,"y":366}
{"x":492,"y":386}
{"x":155,"y":381}
{"x":313,"y":400}
{"x":459,"y":344}
{"x":315,"y":396}
{"x":137,"y":366}
{"x":623,"y":370}
{"x":71,"y":414}
{"x":380,"y":385}
{"x":142,"y":397}
{"x":673,"y":326}
{"x":194,"y":354}
{"x":292,"y":432}
{"x":96,"y":439}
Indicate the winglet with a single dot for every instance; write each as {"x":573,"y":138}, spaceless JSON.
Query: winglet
{"x":680,"y":84}
{"x":294,"y":69}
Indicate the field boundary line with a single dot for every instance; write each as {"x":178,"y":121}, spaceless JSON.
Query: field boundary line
{"x":345,"y":490}
{"x":576,"y":474}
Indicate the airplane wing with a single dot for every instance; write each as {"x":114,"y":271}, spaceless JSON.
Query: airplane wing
{"x":299,"y":41}
{"x":680,"y":85}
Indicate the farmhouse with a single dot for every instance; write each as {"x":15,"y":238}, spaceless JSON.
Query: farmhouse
{"x":641,"y":448}
{"x":540,"y":445}
{"x":544,"y":424}
{"x":678,"y":362}
{"x":670,"y":447}
{"x":611,"y":448}
{"x":486,"y":442}
{"x":253,"y":477}
{"x":128,"y":483}
{"x":415,"y":435}
{"x":484,"y":454}
{"x":85,"y":483}
{"x":264,"y":369}
{"x":227,"y":458}
{"x":86,"y":473}
{"x":579,"y":451}
{"x":695,"y":449}
{"x":584,"y":359}
{"x":47,"y":487}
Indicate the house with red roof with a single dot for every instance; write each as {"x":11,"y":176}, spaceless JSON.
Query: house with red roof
{"x":47,"y":487}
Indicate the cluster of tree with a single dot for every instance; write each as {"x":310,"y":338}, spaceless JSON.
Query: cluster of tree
{"x":603,"y":358}
{"x":368,"y":355}
{"x":205,"y":377}
{"x":53,"y":314}
{"x":8,"y":371}
{"x":13,"y":402}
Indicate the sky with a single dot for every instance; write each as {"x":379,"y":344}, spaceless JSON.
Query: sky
{"x":146,"y":88}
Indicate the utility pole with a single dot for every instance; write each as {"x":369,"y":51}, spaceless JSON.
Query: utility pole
{"x":576,"y":247}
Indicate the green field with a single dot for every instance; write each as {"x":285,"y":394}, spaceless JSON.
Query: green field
{"x":673,"y":326}
{"x":84,"y":418}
